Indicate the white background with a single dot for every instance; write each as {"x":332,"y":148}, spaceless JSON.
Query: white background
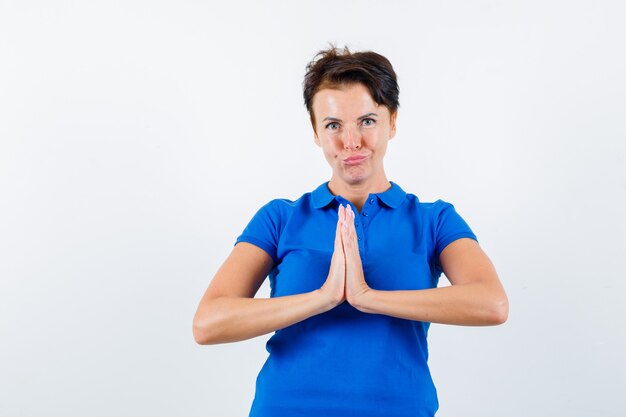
{"x":139,"y":138}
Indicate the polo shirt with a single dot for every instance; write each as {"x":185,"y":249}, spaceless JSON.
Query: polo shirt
{"x":345,"y":362}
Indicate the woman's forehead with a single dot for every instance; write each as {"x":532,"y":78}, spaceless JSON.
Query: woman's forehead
{"x":353,"y":99}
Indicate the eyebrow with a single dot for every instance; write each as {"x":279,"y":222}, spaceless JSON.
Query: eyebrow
{"x":334,"y":119}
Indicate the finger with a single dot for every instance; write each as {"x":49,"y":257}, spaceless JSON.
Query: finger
{"x":344,"y":227}
{"x":351,"y":232}
{"x":345,"y":216}
{"x":350,"y":220}
{"x":346,"y":235}
{"x":340,"y":223}
{"x":345,"y":230}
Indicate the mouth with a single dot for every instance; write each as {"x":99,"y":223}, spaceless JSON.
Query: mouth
{"x":354,"y":160}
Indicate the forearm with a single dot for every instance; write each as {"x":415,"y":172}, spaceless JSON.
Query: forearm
{"x":473,"y":304}
{"x":231,"y":319}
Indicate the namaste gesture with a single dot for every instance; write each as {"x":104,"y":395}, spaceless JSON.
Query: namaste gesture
{"x":345,"y":278}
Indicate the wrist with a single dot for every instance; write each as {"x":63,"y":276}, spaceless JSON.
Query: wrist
{"x":327,"y":299}
{"x":361,"y":300}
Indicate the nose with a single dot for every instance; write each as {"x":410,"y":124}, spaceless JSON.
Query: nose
{"x":352,"y":138}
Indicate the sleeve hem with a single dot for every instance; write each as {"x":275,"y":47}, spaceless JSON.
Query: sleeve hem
{"x":259,"y":243}
{"x":452,"y":238}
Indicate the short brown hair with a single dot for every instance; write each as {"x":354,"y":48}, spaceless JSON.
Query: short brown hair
{"x":332,"y":68}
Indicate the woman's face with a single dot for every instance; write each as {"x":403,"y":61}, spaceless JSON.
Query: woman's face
{"x":352,"y":131}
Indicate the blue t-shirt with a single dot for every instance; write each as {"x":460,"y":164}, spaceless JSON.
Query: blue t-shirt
{"x":345,"y":362}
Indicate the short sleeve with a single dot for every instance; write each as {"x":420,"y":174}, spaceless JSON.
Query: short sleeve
{"x":263,"y":229}
{"x":450,"y":227}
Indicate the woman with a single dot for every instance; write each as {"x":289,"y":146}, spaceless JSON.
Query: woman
{"x":353,"y":267}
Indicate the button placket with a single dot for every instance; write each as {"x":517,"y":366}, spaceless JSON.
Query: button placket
{"x":361,"y":233}
{"x":368,"y":210}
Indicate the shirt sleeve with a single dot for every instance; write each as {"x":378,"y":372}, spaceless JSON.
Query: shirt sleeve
{"x":263,"y":229}
{"x":450,"y":227}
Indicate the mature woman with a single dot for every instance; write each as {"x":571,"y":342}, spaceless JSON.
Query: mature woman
{"x":353,"y":267}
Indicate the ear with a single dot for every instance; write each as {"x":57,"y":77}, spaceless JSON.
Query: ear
{"x":392,"y":124}
{"x":316,"y":139}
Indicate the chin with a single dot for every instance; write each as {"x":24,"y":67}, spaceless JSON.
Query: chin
{"x":354,"y":177}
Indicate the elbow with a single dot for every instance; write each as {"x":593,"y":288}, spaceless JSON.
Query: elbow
{"x":202,"y":331}
{"x":204,"y":336}
{"x":498,"y":313}
{"x":199,"y":335}
{"x":210,"y":325}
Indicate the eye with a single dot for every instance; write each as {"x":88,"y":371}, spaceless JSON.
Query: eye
{"x":332,"y":126}
{"x":368,"y":122}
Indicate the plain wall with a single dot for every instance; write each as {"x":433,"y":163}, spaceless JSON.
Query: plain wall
{"x":138,"y":138}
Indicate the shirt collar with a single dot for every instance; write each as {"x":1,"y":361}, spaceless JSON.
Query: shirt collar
{"x":321,"y":196}
{"x":393,"y":197}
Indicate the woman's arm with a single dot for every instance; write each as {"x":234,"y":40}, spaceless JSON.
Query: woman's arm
{"x":475,"y":298}
{"x":229,"y":313}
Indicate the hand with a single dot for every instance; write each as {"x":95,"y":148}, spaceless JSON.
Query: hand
{"x":334,"y":287}
{"x":355,"y":280}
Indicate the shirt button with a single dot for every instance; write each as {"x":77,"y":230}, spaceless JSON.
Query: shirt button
{"x":371,"y":201}
{"x":365,"y":213}
{"x":356,"y":225}
{"x":359,"y":237}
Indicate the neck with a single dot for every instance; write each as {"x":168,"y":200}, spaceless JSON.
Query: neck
{"x":358,"y":192}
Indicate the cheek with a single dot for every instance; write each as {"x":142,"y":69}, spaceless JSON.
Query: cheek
{"x":330,"y":154}
{"x":375,"y":139}
{"x":331,"y":147}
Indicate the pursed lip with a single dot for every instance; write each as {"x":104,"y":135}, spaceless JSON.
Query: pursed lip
{"x":353,"y":160}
